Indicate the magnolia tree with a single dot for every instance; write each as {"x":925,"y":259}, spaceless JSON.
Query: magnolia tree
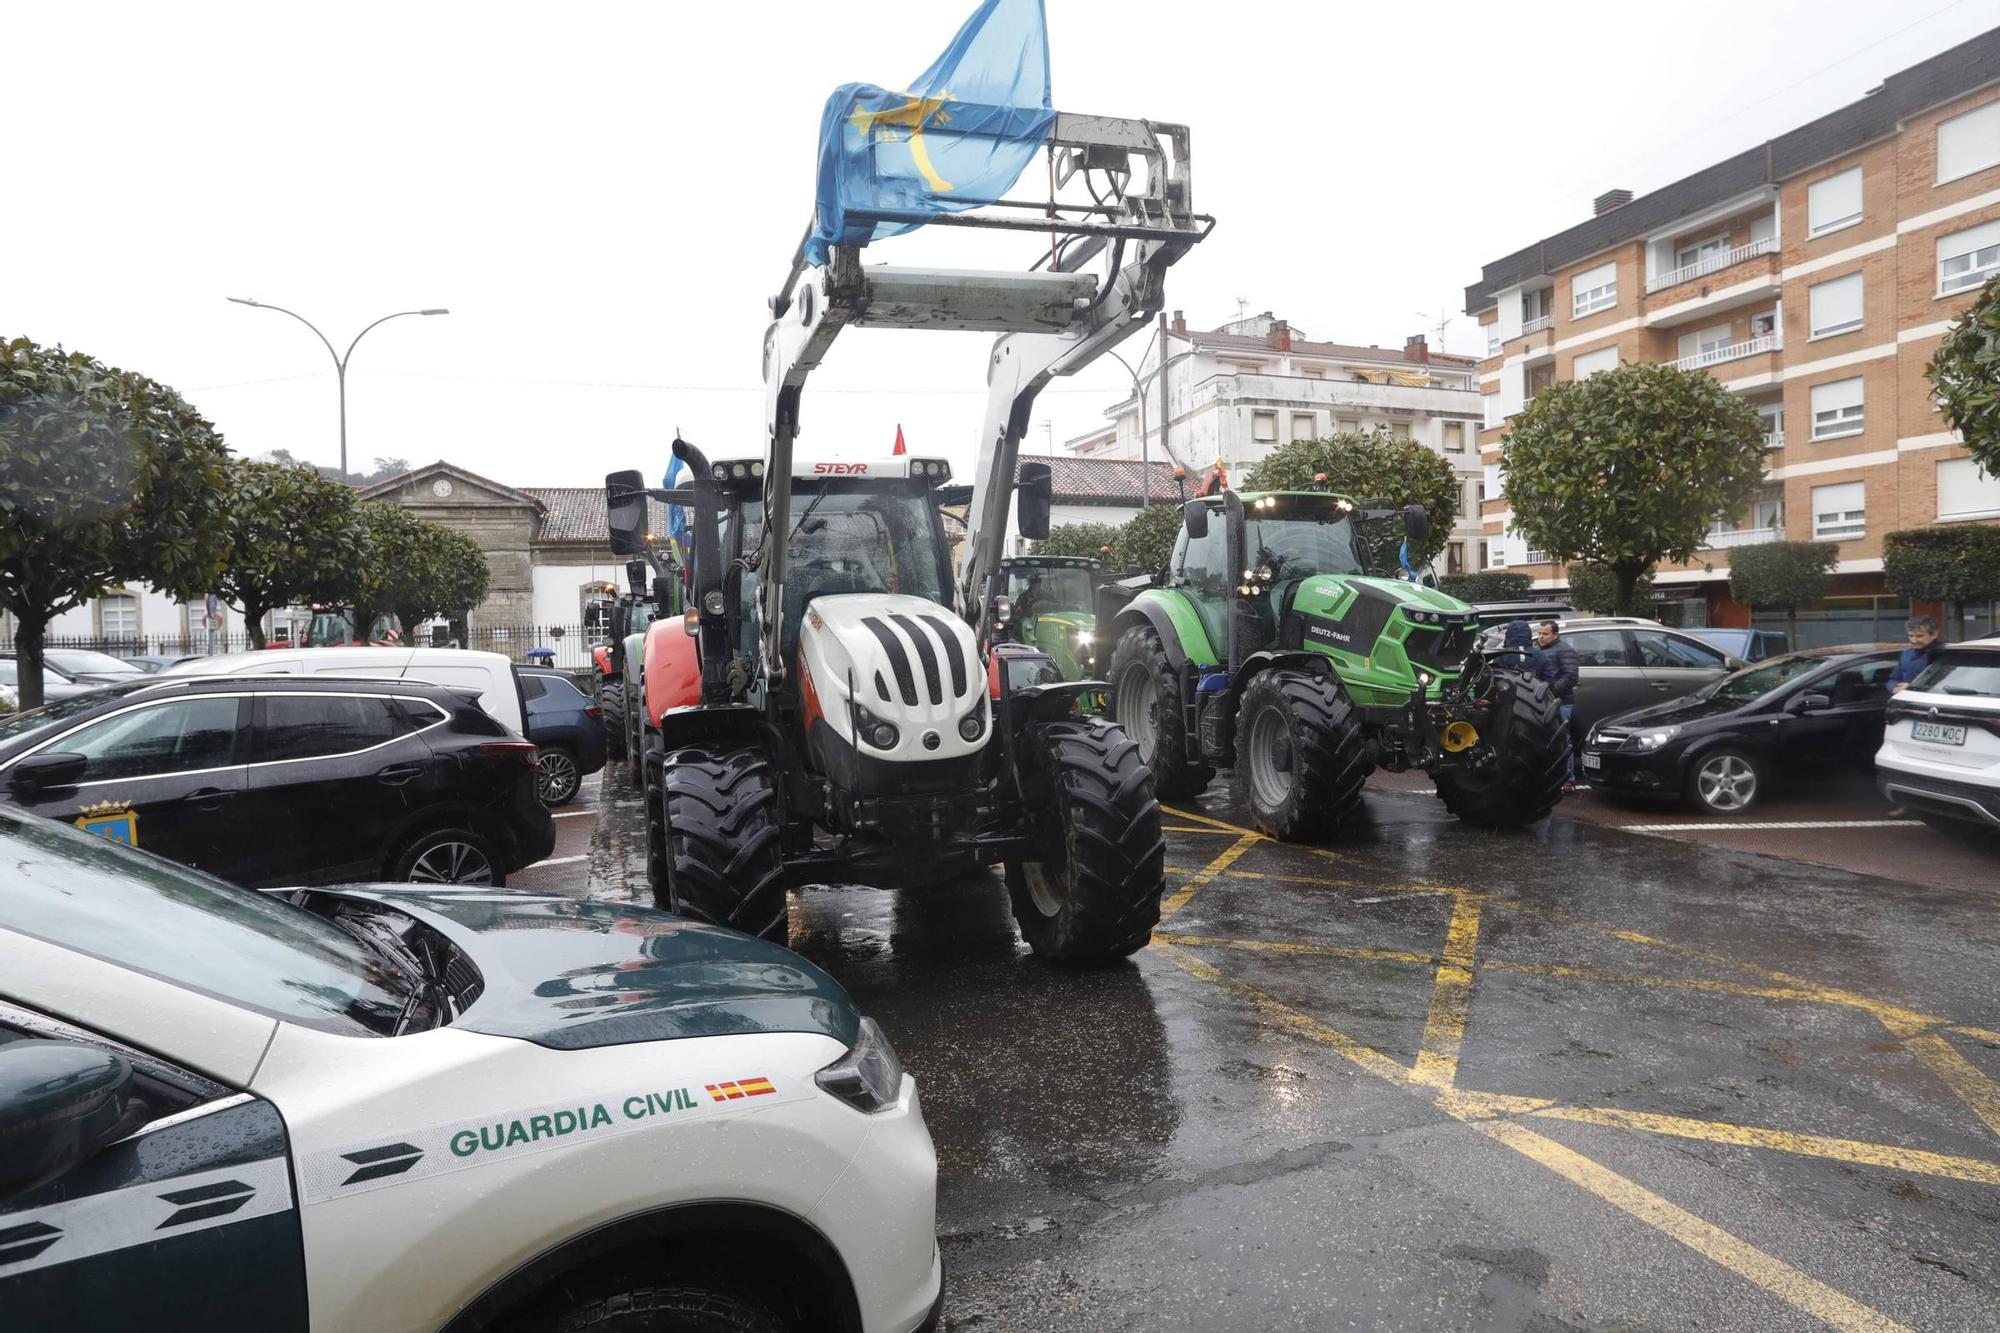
{"x":296,"y":537}
{"x":106,"y":477}
{"x":1629,"y":468}
{"x":1488,"y":585}
{"x":1965,"y":374}
{"x":1951,"y":563}
{"x":1368,"y":465}
{"x":1782,"y":576}
{"x":1594,"y":588}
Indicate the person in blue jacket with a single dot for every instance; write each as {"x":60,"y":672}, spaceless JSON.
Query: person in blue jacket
{"x":1923,"y":632}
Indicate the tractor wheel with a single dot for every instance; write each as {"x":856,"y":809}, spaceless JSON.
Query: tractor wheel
{"x":723,"y":850}
{"x":1301,"y":754}
{"x":1096,"y":897}
{"x":611,"y":704}
{"x":1516,"y":777}
{"x":1146,"y":702}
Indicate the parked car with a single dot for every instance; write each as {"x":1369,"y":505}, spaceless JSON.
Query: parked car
{"x":489,"y":673}
{"x":155,"y":662}
{"x":56,"y":683}
{"x":424,"y":1109}
{"x":1723,"y":747}
{"x":1624,"y":662}
{"x":287,"y":781}
{"x":1748,"y":645}
{"x":564,"y":723}
{"x":89,"y":665}
{"x":1940,"y":755}
{"x":1499,"y":613}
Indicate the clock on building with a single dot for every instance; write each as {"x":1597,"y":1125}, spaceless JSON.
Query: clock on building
{"x":441,"y":488}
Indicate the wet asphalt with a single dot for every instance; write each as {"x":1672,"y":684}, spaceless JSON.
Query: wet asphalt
{"x":1429,"y":1077}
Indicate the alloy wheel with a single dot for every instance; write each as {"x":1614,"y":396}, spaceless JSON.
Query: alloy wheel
{"x":1726,"y":782}
{"x":556,"y":778}
{"x":452,"y":863}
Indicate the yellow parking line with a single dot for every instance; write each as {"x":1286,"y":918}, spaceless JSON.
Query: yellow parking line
{"x":1667,"y":983}
{"x":1195,"y":816}
{"x":1813,"y":1297}
{"x":1194,"y":828}
{"x":1973,"y":1088}
{"x":1979,"y":1034}
{"x":1314,"y":950}
{"x":1451,"y":995}
{"x":1208,"y":872}
{"x":1857,"y":1151}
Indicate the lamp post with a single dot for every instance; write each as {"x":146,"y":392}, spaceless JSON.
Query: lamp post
{"x":1145,"y":453}
{"x":339,"y":360}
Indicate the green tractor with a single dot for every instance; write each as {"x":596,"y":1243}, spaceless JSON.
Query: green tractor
{"x":1290,"y":639}
{"x":1052,"y":606}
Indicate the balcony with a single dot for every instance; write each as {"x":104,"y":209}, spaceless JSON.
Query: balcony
{"x":1715,"y":263}
{"x":1722,"y":538}
{"x":1774,"y":439}
{"x":1715,"y":356}
{"x":1538,"y":324}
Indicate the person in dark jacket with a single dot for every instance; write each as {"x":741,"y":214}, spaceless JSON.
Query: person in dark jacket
{"x":1562,"y":677}
{"x":1518,"y":638}
{"x":1923,"y":632}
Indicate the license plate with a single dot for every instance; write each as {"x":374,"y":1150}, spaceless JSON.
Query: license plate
{"x":1592,"y":761}
{"x":1939,"y":733}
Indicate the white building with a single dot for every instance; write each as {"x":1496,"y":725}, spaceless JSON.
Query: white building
{"x":1238,"y":392}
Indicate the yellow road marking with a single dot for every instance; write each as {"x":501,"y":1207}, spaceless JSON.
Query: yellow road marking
{"x":1451,"y":996}
{"x":1196,"y":817}
{"x":1813,"y":1297}
{"x":1194,"y":828}
{"x":1315,"y":950}
{"x":1973,"y":1088}
{"x":1858,"y":1151}
{"x":1979,"y":1034}
{"x":1208,"y":872}
{"x":1320,"y":882}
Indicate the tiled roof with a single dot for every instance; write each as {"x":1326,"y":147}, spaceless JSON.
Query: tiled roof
{"x":1104,"y":481}
{"x":1227,"y":342}
{"x":1902,"y":95}
{"x":577,"y":515}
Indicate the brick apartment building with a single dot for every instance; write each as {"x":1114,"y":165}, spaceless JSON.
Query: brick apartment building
{"x":1815,"y":275}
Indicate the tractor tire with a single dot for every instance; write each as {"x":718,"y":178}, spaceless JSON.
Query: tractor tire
{"x":1145,"y":700}
{"x":723,"y":852}
{"x":1301,"y":754}
{"x":611,"y":706}
{"x":1522,"y":779}
{"x":1097,"y":898}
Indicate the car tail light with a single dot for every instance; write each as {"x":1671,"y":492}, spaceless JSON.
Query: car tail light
{"x":527,"y":751}
{"x":593,"y":712}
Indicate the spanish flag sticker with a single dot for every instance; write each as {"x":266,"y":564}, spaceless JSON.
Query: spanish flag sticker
{"x":737,"y":1089}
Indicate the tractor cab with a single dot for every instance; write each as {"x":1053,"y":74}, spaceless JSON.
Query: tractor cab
{"x":1051,"y":605}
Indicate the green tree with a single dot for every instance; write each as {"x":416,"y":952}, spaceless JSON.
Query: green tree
{"x":1629,"y":468}
{"x":1146,"y":541}
{"x":1488,"y":585}
{"x":1965,"y":375}
{"x":296,"y":537}
{"x":1782,"y":576}
{"x":1951,"y":563}
{"x":1086,"y":539}
{"x":1594,"y":588}
{"x":1368,"y":465}
{"x":414,"y":569}
{"x":105,"y":477}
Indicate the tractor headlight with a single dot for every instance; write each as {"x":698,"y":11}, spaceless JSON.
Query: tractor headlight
{"x":714,"y":603}
{"x":1003,"y":610}
{"x":1654,"y":739}
{"x":973,"y":724}
{"x":869,"y":1077}
{"x":1265,"y":573}
{"x":873,"y":729}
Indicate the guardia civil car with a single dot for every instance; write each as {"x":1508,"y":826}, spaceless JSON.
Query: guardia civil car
{"x":403,"y":1108}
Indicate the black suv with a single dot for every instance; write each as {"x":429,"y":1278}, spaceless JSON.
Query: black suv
{"x":287,"y":780}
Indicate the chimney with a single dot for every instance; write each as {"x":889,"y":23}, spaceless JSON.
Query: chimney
{"x":1180,"y":322}
{"x":1280,"y":336}
{"x":1416,"y":349}
{"x":1611,"y":199}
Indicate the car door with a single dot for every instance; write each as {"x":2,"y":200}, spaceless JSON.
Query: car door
{"x":184,"y":1221}
{"x":331,"y":777}
{"x":1859,"y":694}
{"x":1675,"y":666}
{"x":166,"y":776}
{"x":1607,"y":680}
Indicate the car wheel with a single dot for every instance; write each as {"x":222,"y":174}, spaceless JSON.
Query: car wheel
{"x":1725,"y":782}
{"x":663,"y":1310}
{"x":557,"y":777}
{"x":449,"y":856}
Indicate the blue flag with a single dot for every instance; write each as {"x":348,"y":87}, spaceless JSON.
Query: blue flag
{"x":958,"y":138}
{"x":677,"y":515}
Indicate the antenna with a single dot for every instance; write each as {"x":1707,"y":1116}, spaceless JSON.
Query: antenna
{"x":1437,"y":330}
{"x":1242,"y":307}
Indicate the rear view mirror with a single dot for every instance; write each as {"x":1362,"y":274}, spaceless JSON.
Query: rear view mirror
{"x":44,"y":771}
{"x":625,"y":504}
{"x":635,"y":575}
{"x":59,"y":1104}
{"x":1194,"y":517}
{"x":1807,"y":703}
{"x":1032,"y":500}
{"x":1417,"y":527}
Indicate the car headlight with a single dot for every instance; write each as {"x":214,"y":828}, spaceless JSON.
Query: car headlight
{"x":1654,"y":739}
{"x":869,"y":1077}
{"x":873,"y":729}
{"x":973,"y":723}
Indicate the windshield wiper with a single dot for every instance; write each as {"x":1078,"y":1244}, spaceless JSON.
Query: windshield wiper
{"x":387,"y":944}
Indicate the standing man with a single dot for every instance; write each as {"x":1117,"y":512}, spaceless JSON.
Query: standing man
{"x":1561,"y":665}
{"x":1923,"y":632}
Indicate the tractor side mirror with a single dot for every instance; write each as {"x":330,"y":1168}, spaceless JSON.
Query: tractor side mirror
{"x":635,"y":575}
{"x":625,"y":501}
{"x":1416,"y":526}
{"x":1194,"y":517}
{"x":1032,"y":500}
{"x":44,"y":772}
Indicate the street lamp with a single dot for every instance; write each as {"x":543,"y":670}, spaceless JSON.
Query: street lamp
{"x":1145,"y":454}
{"x":339,"y":360}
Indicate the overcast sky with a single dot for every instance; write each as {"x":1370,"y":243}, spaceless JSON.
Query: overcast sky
{"x":605,"y":195}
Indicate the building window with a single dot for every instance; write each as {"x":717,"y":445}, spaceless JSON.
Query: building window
{"x":1593,"y":290}
{"x":1345,"y":426}
{"x":1835,"y":306}
{"x":1703,"y":342}
{"x":1764,"y":325}
{"x":1968,"y":258}
{"x":1837,"y":409}
{"x":1968,"y":143}
{"x":1454,"y":436}
{"x":1454,"y":558}
{"x":1838,"y":511}
{"x":1264,"y":427}
{"x":1540,"y":378}
{"x":1963,"y":491}
{"x":1302,"y":426}
{"x":1498,"y":558}
{"x":1833,"y":203}
{"x":118,"y":616}
{"x":1689,"y":255}
{"x":1400,"y":429}
{"x":1493,"y":339}
{"x":1583,"y":367}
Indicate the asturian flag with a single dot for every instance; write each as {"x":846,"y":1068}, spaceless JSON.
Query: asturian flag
{"x":956,"y":139}
{"x":678,"y":474}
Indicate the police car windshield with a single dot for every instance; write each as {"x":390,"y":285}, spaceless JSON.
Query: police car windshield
{"x":86,"y":894}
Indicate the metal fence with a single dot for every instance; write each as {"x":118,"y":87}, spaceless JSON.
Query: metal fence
{"x":570,"y":645}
